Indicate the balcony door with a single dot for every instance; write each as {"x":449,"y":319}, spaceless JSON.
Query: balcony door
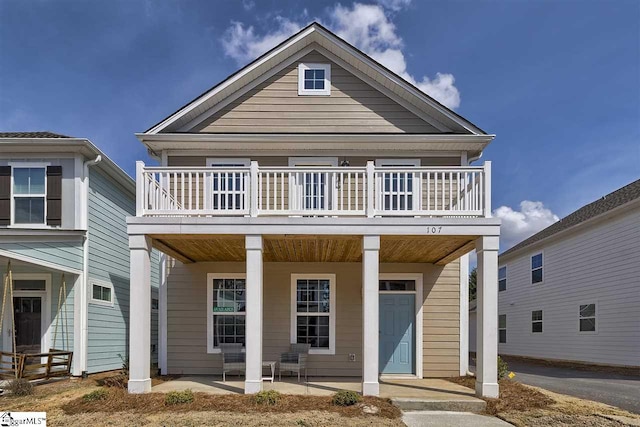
{"x":311,"y":190}
{"x":226,"y":190}
{"x":397,"y":191}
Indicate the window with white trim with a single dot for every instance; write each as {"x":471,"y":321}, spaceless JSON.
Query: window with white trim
{"x":502,"y":279}
{"x":229,"y":188}
{"x":101,"y":293}
{"x":313,"y":308}
{"x":399,"y":191}
{"x":314,"y":79}
{"x":502,"y":328}
{"x":537,"y":275}
{"x":588,"y":318}
{"x":226,"y":308}
{"x":536,"y":321}
{"x":29,"y":195}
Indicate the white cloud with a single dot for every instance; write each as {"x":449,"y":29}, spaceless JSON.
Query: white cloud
{"x":248,"y":4}
{"x":519,"y":225}
{"x":367,"y":26}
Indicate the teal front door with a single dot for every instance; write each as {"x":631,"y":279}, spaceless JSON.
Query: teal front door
{"x":397,"y":331}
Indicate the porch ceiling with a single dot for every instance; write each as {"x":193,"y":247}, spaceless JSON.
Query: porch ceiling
{"x":314,"y":248}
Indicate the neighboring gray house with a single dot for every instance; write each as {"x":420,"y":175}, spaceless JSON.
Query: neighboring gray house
{"x":572,"y":291}
{"x":63,"y":205}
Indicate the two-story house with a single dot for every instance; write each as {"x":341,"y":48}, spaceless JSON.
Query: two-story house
{"x":315,"y":197}
{"x":63,"y":232}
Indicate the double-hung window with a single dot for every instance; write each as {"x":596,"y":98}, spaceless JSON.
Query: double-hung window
{"x":536,"y":321}
{"x":314,"y":79}
{"x":313,"y":308}
{"x":29,"y":195}
{"x":588,"y":318}
{"x":226,"y":310}
{"x":537,"y":275}
{"x":502,"y":328}
{"x":502,"y":278}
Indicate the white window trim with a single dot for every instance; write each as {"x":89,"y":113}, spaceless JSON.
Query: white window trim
{"x":595,"y":302}
{"x":104,"y":284}
{"x":33,"y":165}
{"x":541,"y":268}
{"x":210,"y":278}
{"x":506,"y":273}
{"x":46,"y":321}
{"x":332,"y":311}
{"x":327,"y":79}
{"x":505,"y":328}
{"x":418,"y":277}
{"x":531,"y":322}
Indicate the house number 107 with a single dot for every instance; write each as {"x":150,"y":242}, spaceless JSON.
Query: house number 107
{"x":434,"y":230}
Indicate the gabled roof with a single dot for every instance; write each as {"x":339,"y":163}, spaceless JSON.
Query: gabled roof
{"x":618,"y":198}
{"x":36,"y":134}
{"x":313,"y":33}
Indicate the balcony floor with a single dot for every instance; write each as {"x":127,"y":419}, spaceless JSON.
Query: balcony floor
{"x":314,"y":248}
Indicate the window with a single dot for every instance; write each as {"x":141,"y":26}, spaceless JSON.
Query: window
{"x":536,"y":321}
{"x":313,"y":190}
{"x":227,"y":190}
{"x":588,"y":318}
{"x":102,"y":293}
{"x":502,"y":279}
{"x":314,"y":79}
{"x":29,"y":285}
{"x":398,"y":188}
{"x":29,"y":194}
{"x":155,"y":304}
{"x":536,"y":269}
{"x":313,"y":308}
{"x":502,"y":328}
{"x":226,"y":295}
{"x":397,"y":285}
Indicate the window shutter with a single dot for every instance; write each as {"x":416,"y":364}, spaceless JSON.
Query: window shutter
{"x":54,"y":195}
{"x":5,"y":195}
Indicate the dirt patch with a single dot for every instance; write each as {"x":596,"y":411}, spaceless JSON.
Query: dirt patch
{"x":119,"y":400}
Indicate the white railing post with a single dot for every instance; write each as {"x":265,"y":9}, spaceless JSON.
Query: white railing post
{"x":370,"y":194}
{"x":253,"y":206}
{"x":140,"y":188}
{"x":487,"y":189}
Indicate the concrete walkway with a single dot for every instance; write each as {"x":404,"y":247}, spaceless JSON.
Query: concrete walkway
{"x":450,"y":419}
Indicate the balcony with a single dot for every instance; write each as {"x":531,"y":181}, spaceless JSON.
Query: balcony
{"x":367,"y":191}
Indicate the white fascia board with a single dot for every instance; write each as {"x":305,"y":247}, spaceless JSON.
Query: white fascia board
{"x":538,"y":246}
{"x":179,"y":114}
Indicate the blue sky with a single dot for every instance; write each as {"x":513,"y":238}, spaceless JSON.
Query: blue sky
{"x":558,"y":82}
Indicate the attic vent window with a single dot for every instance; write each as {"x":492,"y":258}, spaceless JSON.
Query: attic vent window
{"x":314,"y":79}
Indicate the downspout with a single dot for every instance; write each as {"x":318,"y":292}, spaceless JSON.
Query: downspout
{"x":84,"y":300}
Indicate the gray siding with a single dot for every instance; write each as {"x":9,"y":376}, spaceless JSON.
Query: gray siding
{"x":109,"y":205}
{"x":353,"y":106}
{"x":599,"y":264}
{"x":65,"y":254}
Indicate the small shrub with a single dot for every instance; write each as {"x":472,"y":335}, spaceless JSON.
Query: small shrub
{"x":503,"y":368}
{"x":116,"y":381}
{"x":267,"y":397}
{"x":100,"y":394}
{"x":345,"y":398}
{"x":178,"y":397}
{"x":20,"y":387}
{"x":125,"y":364}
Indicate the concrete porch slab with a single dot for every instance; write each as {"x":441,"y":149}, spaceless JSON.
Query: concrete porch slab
{"x":408,"y":394}
{"x":450,"y":419}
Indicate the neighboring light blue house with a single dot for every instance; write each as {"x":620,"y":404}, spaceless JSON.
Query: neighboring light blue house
{"x":63,"y":209}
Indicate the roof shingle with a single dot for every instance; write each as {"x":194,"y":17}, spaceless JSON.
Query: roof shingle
{"x":36,"y":134}
{"x":611,"y":201}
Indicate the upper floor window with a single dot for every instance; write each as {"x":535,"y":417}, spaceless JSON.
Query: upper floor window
{"x":537,"y":275}
{"x":502,"y":278}
{"x":29,"y":195}
{"x":314,"y":79}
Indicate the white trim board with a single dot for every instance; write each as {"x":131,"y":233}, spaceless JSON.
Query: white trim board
{"x":210,"y":277}
{"x":332,"y":310}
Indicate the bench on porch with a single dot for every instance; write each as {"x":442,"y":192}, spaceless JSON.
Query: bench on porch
{"x":30,"y":366}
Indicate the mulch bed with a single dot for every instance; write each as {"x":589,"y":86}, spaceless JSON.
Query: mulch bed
{"x":119,"y":400}
{"x":513,"y":396}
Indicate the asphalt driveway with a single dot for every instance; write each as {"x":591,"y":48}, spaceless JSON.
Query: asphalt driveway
{"x":618,"y":390}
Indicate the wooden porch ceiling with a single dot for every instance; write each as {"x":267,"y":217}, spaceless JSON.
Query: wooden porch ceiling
{"x":315,"y":248}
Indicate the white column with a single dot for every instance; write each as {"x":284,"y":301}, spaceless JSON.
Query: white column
{"x":370,"y":314}
{"x":253,"y":327}
{"x":140,"y":315}
{"x":162,"y":315}
{"x":464,"y":314}
{"x":487,"y":316}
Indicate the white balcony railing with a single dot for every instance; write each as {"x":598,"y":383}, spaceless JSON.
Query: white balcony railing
{"x":314,"y":191}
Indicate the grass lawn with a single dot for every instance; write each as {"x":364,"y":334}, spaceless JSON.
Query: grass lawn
{"x":523,"y":405}
{"x":66,"y":405}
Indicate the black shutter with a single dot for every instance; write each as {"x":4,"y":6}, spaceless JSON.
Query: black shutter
{"x":5,"y":195}
{"x":54,"y":195}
